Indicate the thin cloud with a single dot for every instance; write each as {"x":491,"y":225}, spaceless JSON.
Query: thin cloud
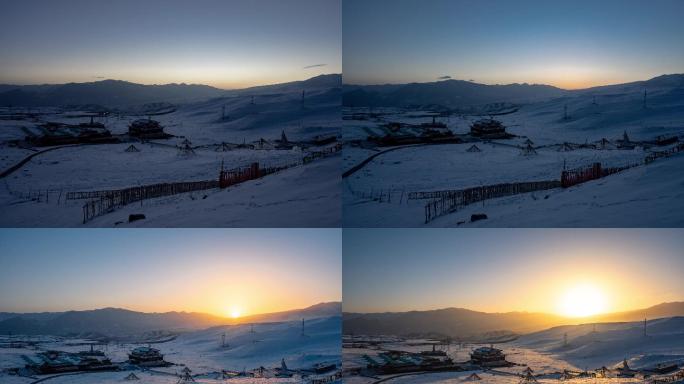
{"x":444,"y":78}
{"x":99,"y":77}
{"x":315,"y":65}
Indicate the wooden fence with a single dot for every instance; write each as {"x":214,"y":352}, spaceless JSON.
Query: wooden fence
{"x":328,"y":379}
{"x":110,"y":200}
{"x":451,"y":201}
{"x":448,"y":201}
{"x":107,"y":201}
{"x":667,"y":153}
{"x":311,"y":156}
{"x":595,"y":171}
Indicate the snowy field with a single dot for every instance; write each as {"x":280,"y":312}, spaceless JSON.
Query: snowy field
{"x":247,"y":348}
{"x":588,"y":348}
{"x":312,"y":190}
{"x":303,"y":196}
{"x":605,"y":113}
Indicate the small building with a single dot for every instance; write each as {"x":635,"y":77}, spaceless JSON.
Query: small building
{"x":186,"y":150}
{"x":605,"y":144}
{"x":434,"y":352}
{"x":473,"y":148}
{"x":626,"y":143}
{"x":488,"y":357}
{"x":60,"y":362}
{"x":565,"y":147}
{"x":92,"y":124}
{"x":52,"y":133}
{"x":185,"y":376}
{"x":489,"y":129}
{"x":528,"y":378}
{"x":131,"y":377}
{"x":528,"y":151}
{"x":223,"y":147}
{"x":283,"y":143}
{"x":528,"y":142}
{"x":624,"y":370}
{"x":146,"y":356}
{"x":132,"y":148}
{"x":435,"y":129}
{"x":147,"y":129}
{"x":473,"y":377}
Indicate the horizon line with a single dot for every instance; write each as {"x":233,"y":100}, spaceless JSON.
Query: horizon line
{"x":504,"y":84}
{"x":161,"y":84}
{"x":516,"y":311}
{"x":173,"y":311}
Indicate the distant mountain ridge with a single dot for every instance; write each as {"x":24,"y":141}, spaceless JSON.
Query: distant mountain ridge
{"x":118,"y":322}
{"x":461,"y":93}
{"x":465,"y":323}
{"x":118,"y":93}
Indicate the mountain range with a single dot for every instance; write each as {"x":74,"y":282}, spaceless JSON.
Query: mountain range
{"x":461,"y":94}
{"x":118,"y":93}
{"x":468,"y":324}
{"x":122,"y":322}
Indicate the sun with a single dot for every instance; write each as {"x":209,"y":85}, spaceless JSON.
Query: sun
{"x":582,"y":300}
{"x":235,"y":313}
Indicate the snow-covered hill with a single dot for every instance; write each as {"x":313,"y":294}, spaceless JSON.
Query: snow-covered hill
{"x":265,"y":346}
{"x":607,"y":344}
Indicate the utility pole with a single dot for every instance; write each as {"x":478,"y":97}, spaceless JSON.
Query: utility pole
{"x":223,"y":112}
{"x":644,"y":327}
{"x":645,"y":94}
{"x":565,"y":339}
{"x":223,"y":340}
{"x":565,"y":112}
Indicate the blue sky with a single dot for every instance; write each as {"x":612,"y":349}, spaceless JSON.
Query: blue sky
{"x":224,"y":43}
{"x":571,"y":44}
{"x":205,"y":270}
{"x":500,"y":270}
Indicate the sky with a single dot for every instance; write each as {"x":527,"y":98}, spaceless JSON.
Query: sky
{"x":502,"y":270}
{"x":216,"y":271}
{"x":223,"y":43}
{"x":569,"y":44}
